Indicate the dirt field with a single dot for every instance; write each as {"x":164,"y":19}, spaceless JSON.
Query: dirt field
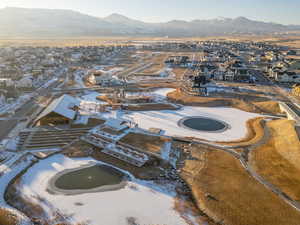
{"x":145,"y":142}
{"x":67,"y":42}
{"x":291,"y":40}
{"x":270,"y":107}
{"x":179,"y":72}
{"x":158,"y":64}
{"x":159,"y":85}
{"x":6,"y":218}
{"x":245,"y":102}
{"x":227,"y":193}
{"x":182,"y":98}
{"x":150,"y":107}
{"x":278,"y":160}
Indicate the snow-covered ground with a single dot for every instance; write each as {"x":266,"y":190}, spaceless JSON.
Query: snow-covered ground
{"x":146,"y":202}
{"x":165,"y":73}
{"x":7,"y":108}
{"x":91,"y":97}
{"x":112,"y":71}
{"x":10,"y":169}
{"x":79,"y":80}
{"x":158,"y":94}
{"x":48,"y":83}
{"x":167,"y":120}
{"x":89,"y":104}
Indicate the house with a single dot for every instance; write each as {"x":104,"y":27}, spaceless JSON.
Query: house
{"x":102,"y":78}
{"x":182,"y":61}
{"x":288,"y":76}
{"x":6,"y":82}
{"x":2,"y":99}
{"x":291,"y":52}
{"x":237,"y":71}
{"x":62,"y":110}
{"x":25,"y":82}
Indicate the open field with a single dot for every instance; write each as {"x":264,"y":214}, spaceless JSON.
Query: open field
{"x":179,"y":72}
{"x":6,"y":218}
{"x":158,"y":64}
{"x":291,"y":40}
{"x":145,"y":142}
{"x":162,"y":84}
{"x":151,"y":107}
{"x":278,"y":160}
{"x":242,"y":104}
{"x":227,"y":193}
{"x":271,"y":107}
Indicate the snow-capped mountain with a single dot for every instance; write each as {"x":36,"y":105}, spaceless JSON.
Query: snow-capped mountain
{"x":21,"y":22}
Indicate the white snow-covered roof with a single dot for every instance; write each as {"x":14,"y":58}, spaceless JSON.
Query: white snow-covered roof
{"x":62,"y":106}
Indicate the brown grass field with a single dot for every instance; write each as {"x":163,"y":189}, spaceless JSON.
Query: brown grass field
{"x":228,"y":194}
{"x":278,"y":160}
{"x":145,"y":142}
{"x":159,"y":85}
{"x":185,"y":99}
{"x":6,"y":218}
{"x":291,"y":40}
{"x":151,"y":107}
{"x":271,"y":107}
{"x":158,"y":64}
{"x":179,"y":72}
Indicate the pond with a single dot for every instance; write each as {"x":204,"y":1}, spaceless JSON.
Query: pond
{"x":94,"y":178}
{"x":203,"y":124}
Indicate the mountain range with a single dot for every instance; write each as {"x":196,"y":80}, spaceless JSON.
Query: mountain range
{"x":50,"y":23}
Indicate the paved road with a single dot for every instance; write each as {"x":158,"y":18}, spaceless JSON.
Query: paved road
{"x":6,"y":126}
{"x":260,"y":77}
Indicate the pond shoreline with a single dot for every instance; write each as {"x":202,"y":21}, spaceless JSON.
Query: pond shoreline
{"x":53,"y":189}
{"x":181,"y":123}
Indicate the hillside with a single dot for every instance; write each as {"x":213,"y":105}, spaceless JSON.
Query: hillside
{"x":277,"y":160}
{"x":24,"y":22}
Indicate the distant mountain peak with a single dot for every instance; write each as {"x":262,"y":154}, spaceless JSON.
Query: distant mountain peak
{"x":69,"y":23}
{"x":242,"y":19}
{"x":117,"y":16}
{"x":221,"y":18}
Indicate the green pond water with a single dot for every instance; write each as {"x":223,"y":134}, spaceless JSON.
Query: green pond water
{"x":203,"y":124}
{"x":89,"y":178}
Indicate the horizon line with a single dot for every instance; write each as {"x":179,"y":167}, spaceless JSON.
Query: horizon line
{"x":144,"y":21}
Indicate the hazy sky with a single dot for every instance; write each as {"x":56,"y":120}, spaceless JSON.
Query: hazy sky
{"x":281,"y":11}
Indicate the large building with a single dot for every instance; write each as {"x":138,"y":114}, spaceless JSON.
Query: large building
{"x":62,"y":110}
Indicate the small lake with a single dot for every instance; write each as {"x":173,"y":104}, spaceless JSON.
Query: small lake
{"x":203,"y":124}
{"x":95,"y":178}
